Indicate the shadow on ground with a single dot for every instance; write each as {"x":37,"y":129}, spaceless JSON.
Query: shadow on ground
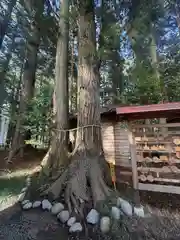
{"x":161,"y":223}
{"x":16,"y":224}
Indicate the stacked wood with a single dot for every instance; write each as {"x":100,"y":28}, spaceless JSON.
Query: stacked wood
{"x":174,"y":169}
{"x":150,"y":178}
{"x":142,"y":178}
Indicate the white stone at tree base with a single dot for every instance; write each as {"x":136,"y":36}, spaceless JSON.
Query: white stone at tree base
{"x":46,"y":205}
{"x":76,"y":227}
{"x":36,"y":204}
{"x":71,"y":221}
{"x":139,"y":211}
{"x":115,"y":213}
{"x":127,"y":208}
{"x":27,"y":206}
{"x":57,"y":208}
{"x":93,"y":216}
{"x":63,"y":216}
{"x":105,"y":224}
{"x":119,"y":201}
{"x":24,"y":202}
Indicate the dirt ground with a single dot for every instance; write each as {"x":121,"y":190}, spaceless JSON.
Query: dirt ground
{"x":161,"y":222}
{"x":31,"y":158}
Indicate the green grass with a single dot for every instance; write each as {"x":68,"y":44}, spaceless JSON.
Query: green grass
{"x":10,"y":188}
{"x":11,"y":185}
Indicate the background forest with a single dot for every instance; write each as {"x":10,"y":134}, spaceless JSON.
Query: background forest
{"x":138,"y":44}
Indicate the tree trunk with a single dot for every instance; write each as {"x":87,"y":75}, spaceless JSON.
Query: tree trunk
{"x":57,"y":154}
{"x":88,"y":102}
{"x":73,"y":77}
{"x":28,"y":81}
{"x":5,"y":22}
{"x":155,"y":61}
{"x":4,"y":70}
{"x":83,"y":178}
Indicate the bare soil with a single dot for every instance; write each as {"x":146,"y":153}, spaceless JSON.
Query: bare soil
{"x":31,"y":158}
{"x":16,"y":224}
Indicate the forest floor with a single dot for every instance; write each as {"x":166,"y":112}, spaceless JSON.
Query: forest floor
{"x":161,"y":222}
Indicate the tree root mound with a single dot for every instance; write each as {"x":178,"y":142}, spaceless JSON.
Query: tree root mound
{"x":81,"y":181}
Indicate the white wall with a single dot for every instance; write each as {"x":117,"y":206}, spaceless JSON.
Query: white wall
{"x":4,"y":124}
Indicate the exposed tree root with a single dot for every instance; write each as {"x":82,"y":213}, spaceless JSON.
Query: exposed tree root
{"x":81,"y":181}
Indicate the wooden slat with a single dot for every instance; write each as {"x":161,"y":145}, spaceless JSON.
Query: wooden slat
{"x":158,"y":161}
{"x":154,"y":142}
{"x":167,"y":180}
{"x":132,"y":145}
{"x":157,"y":170}
{"x":151,"y":150}
{"x":159,"y":188}
{"x":155,"y":125}
{"x":141,"y":134}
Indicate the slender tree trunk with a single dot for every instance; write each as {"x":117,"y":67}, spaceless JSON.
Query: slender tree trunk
{"x":57,"y":154}
{"x":155,"y":61}
{"x":4,"y":69}
{"x":28,"y":81}
{"x":5,"y":22}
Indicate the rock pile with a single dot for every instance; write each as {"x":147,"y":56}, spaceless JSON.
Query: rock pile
{"x":123,"y":207}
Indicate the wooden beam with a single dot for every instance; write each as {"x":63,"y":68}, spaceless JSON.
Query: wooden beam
{"x":132,"y":145}
{"x":159,"y":188}
{"x":155,"y":125}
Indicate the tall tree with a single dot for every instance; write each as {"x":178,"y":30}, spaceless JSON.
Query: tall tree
{"x":4,"y":66}
{"x":83,"y":178}
{"x":57,"y":154}
{"x":28,"y":79}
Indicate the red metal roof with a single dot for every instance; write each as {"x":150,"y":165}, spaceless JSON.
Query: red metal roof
{"x":162,"y":107}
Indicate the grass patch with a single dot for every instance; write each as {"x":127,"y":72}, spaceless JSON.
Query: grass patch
{"x":11,"y":185}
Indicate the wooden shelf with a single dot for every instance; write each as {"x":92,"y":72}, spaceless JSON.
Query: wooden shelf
{"x":157,"y":170}
{"x":153,"y":142}
{"x":158,"y":161}
{"x":151,"y":150}
{"x":163,"y":180}
{"x":166,"y":125}
{"x":159,"y":188}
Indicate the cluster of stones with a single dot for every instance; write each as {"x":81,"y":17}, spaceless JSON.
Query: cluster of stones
{"x":122,"y":207}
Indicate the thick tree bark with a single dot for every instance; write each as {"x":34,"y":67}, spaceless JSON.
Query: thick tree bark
{"x":6,"y":20}
{"x":83,"y":179}
{"x":28,"y":81}
{"x":88,"y":104}
{"x":73,"y":77}
{"x":57,"y":154}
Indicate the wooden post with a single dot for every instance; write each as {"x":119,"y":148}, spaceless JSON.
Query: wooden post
{"x":132,"y":145}
{"x":164,"y":129}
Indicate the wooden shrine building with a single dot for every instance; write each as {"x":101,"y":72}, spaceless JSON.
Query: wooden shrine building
{"x":143,"y":142}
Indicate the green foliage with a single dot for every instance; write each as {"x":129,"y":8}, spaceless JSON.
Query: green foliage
{"x":138,"y":48}
{"x":40,"y":112}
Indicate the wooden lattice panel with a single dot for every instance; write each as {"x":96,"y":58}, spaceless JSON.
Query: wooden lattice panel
{"x":158,"y":155}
